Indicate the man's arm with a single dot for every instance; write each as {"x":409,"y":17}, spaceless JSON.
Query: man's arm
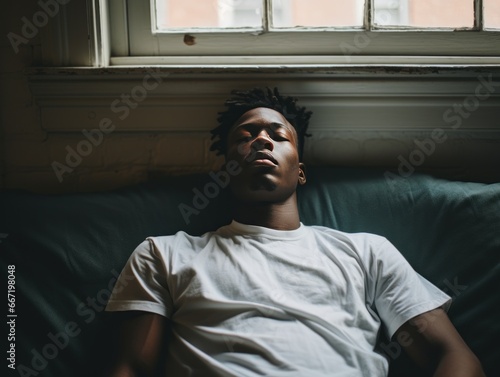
{"x":140,"y":341}
{"x":431,"y":340}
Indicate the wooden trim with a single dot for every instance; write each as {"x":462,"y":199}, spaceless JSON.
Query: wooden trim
{"x":312,"y":62}
{"x":478,"y":15}
{"x":348,"y":101}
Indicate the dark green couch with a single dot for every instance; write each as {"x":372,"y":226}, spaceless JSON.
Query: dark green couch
{"x":68,"y":249}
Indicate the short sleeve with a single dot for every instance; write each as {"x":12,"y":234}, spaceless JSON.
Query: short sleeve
{"x":400,"y":292}
{"x":142,"y":283}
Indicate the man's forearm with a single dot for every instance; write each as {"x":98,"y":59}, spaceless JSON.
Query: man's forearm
{"x":458,"y":364}
{"x":125,"y":371}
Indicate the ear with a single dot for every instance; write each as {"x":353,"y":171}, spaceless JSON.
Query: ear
{"x":302,"y":173}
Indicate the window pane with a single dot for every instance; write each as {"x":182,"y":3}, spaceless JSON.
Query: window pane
{"x":317,"y":13}
{"x":171,"y":14}
{"x":492,"y":14}
{"x":425,"y":13}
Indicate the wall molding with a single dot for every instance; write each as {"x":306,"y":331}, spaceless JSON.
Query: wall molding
{"x":346,"y":100}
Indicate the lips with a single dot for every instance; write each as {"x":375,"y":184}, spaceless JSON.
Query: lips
{"x":262,"y":158}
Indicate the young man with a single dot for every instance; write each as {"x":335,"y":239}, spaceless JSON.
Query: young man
{"x":267,"y":295}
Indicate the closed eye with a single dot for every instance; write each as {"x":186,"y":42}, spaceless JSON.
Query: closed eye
{"x":280,"y":138}
{"x":244,"y":139}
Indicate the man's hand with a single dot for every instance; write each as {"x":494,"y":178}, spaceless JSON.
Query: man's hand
{"x":432,"y":341}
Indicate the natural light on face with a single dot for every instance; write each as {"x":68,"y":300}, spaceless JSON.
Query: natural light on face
{"x":230,"y":14}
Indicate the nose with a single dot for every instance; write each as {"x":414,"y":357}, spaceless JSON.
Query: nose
{"x":263,"y":141}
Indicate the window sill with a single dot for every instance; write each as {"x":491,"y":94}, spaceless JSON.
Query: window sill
{"x":457,"y":67}
{"x":310,"y":62}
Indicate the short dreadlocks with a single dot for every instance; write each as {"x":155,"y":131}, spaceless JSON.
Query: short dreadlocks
{"x":243,"y":101}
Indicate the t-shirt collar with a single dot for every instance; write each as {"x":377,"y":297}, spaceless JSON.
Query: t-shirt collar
{"x":255,"y":230}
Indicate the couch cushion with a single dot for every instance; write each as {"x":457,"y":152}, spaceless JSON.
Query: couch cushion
{"x":448,"y":231}
{"x":68,"y":249}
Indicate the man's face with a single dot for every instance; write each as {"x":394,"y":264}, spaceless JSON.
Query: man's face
{"x":264,"y":144}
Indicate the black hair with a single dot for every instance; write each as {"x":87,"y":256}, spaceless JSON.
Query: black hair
{"x":243,"y":101}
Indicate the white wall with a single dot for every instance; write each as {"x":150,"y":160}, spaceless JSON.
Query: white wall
{"x":363,"y":117}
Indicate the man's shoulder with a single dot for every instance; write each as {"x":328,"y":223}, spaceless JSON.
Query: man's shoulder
{"x":364,"y":247}
{"x":180,"y":236}
{"x":356,"y":237}
{"x":180,"y":240}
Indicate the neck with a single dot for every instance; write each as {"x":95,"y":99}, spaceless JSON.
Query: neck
{"x":279,"y":216}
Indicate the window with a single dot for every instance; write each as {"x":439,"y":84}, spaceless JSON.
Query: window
{"x":231,"y":15}
{"x":313,"y":32}
{"x":242,"y":13}
{"x":390,"y":12}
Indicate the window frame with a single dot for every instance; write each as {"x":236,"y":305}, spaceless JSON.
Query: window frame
{"x":133,"y":43}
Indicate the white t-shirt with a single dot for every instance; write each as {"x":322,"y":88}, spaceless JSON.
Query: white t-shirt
{"x":252,"y":301}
